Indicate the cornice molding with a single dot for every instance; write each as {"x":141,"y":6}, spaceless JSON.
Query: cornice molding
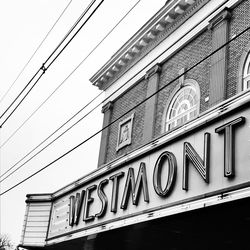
{"x":160,"y":26}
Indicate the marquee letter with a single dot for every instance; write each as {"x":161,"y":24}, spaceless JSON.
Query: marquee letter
{"x":202,"y":166}
{"x":227,"y":130}
{"x":115,"y":179}
{"x":88,"y":199}
{"x":163,"y":158}
{"x":134,"y":188}
{"x":102,"y":197}
{"x":75,"y":205}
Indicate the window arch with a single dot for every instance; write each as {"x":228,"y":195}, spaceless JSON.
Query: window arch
{"x":246,"y":73}
{"x":184,"y":105}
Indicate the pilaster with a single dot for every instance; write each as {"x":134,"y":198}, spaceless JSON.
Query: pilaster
{"x":107,"y":111}
{"x":153,"y":77}
{"x":219,"y":27}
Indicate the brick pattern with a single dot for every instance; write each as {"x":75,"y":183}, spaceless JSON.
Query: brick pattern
{"x":240,"y":20}
{"x":189,"y":55}
{"x":124,"y":103}
{"x":186,"y":57}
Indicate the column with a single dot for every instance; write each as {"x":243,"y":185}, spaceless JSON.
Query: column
{"x":153,"y":77}
{"x":107,"y":111}
{"x":219,"y":26}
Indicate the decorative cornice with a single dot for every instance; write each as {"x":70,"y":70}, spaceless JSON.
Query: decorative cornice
{"x":170,"y":17}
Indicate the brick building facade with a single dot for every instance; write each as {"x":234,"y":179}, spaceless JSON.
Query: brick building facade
{"x":174,"y":154}
{"x":201,"y":45}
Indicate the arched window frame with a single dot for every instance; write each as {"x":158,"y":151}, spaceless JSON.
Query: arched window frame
{"x":245,"y":72}
{"x":244,"y":65}
{"x":171,"y":100}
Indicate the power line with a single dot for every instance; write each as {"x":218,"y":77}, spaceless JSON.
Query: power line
{"x":27,"y":83}
{"x":42,"y":149}
{"x":34,"y":84}
{"x":57,"y":89}
{"x":19,"y":94}
{"x":127,"y":112}
{"x":82,"y":110}
{"x":43,"y":68}
{"x":72,"y":28}
{"x":34,"y":53}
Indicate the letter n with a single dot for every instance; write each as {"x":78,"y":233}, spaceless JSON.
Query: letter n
{"x":202,"y":166}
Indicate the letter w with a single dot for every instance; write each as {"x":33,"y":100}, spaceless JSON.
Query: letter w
{"x":202,"y":166}
{"x":75,"y":206}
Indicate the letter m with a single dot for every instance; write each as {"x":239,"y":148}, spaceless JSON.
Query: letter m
{"x":75,"y":205}
{"x":202,"y":166}
{"x":134,"y":188}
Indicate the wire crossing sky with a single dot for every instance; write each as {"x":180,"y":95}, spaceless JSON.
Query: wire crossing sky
{"x":22,"y":31}
{"x":45,"y":68}
{"x":127,"y":112}
{"x":83,"y":108}
{"x":34,"y":53}
{"x":75,"y":123}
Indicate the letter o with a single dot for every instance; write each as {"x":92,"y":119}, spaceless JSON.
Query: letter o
{"x":165,"y":156}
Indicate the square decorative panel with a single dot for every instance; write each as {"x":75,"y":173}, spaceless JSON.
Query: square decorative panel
{"x":125,"y":132}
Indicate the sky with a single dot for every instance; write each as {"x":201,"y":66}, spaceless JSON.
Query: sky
{"x":63,"y":90}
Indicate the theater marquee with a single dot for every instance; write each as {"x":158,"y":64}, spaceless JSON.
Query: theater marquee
{"x":205,"y":159}
{"x":208,"y":160}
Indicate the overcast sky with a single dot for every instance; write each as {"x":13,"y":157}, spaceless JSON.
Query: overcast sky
{"x":24,"y":24}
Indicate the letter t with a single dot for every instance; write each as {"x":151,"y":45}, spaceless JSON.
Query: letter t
{"x":227,"y":130}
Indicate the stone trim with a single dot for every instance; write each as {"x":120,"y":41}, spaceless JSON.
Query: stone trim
{"x":129,"y":122}
{"x":224,"y":15}
{"x":155,"y":69}
{"x":107,"y":107}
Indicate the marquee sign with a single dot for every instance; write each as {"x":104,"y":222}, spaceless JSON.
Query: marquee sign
{"x":210,"y":159}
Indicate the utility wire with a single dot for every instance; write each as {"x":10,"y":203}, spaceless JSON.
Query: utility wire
{"x":80,"y":111}
{"x":59,"y":85}
{"x":127,"y":112}
{"x":75,"y":113}
{"x":69,"y":118}
{"x":34,"y":53}
{"x":72,"y":28}
{"x":34,"y":84}
{"x":43,"y":68}
{"x":19,"y":94}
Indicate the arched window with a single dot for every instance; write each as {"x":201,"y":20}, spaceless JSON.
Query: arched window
{"x":246,"y":73}
{"x":183,"y":106}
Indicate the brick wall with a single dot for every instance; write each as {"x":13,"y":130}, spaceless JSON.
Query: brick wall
{"x":120,"y":106}
{"x":193,"y":52}
{"x":240,"y":20}
{"x":186,"y":57}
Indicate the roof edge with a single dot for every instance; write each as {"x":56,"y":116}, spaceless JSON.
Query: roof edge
{"x":140,"y":41}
